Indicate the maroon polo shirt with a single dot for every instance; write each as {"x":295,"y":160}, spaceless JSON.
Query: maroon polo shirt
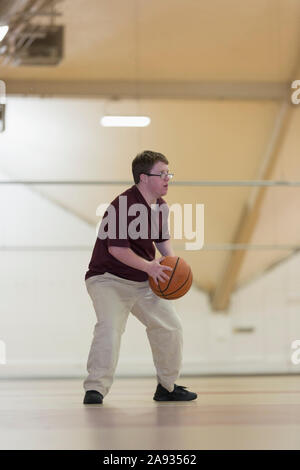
{"x":102,"y":261}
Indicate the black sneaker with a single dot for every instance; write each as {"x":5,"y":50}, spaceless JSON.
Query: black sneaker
{"x":92,"y":397}
{"x":178,"y":394}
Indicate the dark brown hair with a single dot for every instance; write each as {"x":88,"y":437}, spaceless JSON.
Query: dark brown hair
{"x":144,"y":162}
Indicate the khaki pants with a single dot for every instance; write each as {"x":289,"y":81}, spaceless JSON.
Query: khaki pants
{"x":113,"y":299}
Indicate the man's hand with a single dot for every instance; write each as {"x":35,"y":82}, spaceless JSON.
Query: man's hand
{"x":156,"y":270}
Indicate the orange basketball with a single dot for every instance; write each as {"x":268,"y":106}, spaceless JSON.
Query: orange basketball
{"x":180,"y":281}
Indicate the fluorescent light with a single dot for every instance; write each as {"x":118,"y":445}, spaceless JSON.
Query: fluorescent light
{"x":125,"y":121}
{"x":3,"y":31}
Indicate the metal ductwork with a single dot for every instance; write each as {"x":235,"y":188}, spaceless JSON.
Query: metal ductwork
{"x":29,"y":42}
{"x":10,"y":8}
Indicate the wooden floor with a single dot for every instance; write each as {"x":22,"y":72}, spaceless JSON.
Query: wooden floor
{"x":254,"y":412}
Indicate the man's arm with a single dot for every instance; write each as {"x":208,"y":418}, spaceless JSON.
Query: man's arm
{"x":127,"y":256}
{"x":165,"y":248}
{"x":152,"y":268}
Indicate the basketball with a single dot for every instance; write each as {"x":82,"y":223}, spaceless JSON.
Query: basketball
{"x":180,"y":281}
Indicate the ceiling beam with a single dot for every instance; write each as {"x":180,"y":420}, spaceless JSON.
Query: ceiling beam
{"x":220,"y":297}
{"x":150,"y":90}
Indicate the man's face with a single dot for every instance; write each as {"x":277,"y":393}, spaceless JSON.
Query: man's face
{"x":157,"y":185}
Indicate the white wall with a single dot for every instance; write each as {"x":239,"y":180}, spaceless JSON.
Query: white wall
{"x":47,"y":318}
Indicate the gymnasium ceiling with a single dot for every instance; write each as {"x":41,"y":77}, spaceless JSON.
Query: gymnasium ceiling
{"x":218,"y":78}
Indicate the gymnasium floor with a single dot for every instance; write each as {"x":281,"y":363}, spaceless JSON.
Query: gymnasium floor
{"x":246,"y":412}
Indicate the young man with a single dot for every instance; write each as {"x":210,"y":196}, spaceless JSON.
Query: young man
{"x":117,"y":282}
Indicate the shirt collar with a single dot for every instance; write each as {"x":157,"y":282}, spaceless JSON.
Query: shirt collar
{"x":138,"y":192}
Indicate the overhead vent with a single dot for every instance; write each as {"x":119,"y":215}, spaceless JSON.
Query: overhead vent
{"x":45,"y":49}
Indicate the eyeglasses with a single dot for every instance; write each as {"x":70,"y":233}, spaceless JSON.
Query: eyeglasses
{"x":162,"y":174}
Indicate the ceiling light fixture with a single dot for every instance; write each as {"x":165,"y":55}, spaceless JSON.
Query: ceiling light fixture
{"x":125,"y":121}
{"x":136,"y":120}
